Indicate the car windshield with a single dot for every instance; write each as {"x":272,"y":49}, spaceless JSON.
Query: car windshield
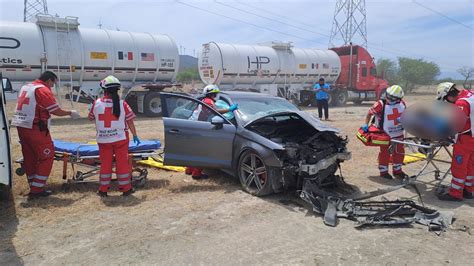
{"x":256,"y":107}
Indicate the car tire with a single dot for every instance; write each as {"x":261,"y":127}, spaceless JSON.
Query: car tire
{"x":254,"y":175}
{"x":152,"y":104}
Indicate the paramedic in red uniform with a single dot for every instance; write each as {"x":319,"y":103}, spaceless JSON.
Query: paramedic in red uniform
{"x":112,"y":118}
{"x":211,"y":92}
{"x":462,"y":165}
{"x":387,"y":114}
{"x":34,"y":107}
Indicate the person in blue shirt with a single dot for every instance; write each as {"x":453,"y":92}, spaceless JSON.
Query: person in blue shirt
{"x":322,"y":97}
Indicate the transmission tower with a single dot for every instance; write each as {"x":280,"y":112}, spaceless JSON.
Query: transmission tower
{"x":33,"y":8}
{"x":349,"y":23}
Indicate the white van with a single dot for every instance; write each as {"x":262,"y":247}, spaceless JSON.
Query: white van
{"x":5,"y":151}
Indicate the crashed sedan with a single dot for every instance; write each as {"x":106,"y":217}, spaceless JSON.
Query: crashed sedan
{"x":269,"y":144}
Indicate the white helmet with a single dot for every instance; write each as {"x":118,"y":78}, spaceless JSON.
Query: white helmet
{"x":110,"y":82}
{"x":211,"y":88}
{"x":395,"y":91}
{"x":443,"y":89}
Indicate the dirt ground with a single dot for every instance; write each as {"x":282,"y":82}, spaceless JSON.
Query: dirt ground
{"x":176,"y":220}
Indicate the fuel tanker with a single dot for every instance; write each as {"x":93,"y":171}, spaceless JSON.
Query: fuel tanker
{"x":279,"y":69}
{"x":81,"y":57}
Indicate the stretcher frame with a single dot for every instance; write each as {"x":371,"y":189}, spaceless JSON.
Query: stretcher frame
{"x":92,"y":162}
{"x":431,"y":150}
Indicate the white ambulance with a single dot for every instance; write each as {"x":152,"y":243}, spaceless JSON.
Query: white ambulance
{"x":5,"y":151}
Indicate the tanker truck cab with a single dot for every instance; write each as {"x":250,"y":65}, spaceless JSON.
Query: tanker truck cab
{"x":358,"y":80}
{"x":5,"y":155}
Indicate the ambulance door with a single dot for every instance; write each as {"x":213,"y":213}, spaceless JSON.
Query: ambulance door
{"x":5,"y":155}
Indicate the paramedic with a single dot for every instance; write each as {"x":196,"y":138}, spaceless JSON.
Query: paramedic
{"x":322,"y":98}
{"x":34,"y":107}
{"x":112,"y":118}
{"x":462,"y":165}
{"x":203,"y":114}
{"x":387,"y":114}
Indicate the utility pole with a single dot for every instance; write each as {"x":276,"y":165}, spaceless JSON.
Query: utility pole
{"x":33,"y":8}
{"x":349,"y":23}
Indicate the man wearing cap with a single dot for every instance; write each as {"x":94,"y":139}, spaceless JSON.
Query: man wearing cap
{"x":322,"y":96}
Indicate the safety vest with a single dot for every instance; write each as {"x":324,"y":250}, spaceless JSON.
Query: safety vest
{"x":391,"y":119}
{"x":109,"y":127}
{"x":26,"y":107}
{"x":470,"y":101}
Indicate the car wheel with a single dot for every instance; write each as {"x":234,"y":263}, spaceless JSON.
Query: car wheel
{"x":253,"y":174}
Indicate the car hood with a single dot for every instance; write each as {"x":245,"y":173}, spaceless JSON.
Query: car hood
{"x":309,"y":118}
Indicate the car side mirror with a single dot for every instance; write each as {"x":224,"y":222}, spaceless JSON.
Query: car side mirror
{"x":218,"y":122}
{"x":7,"y":85}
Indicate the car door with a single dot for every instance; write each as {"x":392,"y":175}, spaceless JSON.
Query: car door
{"x":5,"y":155}
{"x":194,"y":139}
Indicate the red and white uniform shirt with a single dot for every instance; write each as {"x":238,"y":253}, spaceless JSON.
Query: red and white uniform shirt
{"x":109,"y":127}
{"x":391,"y":119}
{"x":466,"y":104}
{"x":35,"y":103}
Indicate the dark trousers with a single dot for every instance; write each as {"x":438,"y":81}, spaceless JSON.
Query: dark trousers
{"x":323,"y":104}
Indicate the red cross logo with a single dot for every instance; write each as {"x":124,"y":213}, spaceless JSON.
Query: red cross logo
{"x":108,"y":117}
{"x":394,"y":117}
{"x":22,"y":100}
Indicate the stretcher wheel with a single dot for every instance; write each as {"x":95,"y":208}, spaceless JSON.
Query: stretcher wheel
{"x":20,"y":171}
{"x":139,"y":177}
{"x":79,"y":176}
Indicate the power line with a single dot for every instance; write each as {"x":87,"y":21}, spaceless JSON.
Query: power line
{"x":443,"y":15}
{"x":245,"y":22}
{"x":398,"y":53}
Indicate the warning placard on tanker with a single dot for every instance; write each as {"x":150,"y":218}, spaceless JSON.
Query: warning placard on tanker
{"x":98,"y":55}
{"x":302,"y":66}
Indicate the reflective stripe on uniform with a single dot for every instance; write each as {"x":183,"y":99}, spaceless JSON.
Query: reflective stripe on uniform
{"x":105,"y":175}
{"x":124,"y":182}
{"x":383,"y":168}
{"x":123,"y":175}
{"x":36,"y":184}
{"x":397,"y":166}
{"x":104,"y":183}
{"x":470,"y":177}
{"x":469,"y":184}
{"x":459,"y":180}
{"x":454,"y":186}
{"x":31,"y":177}
{"x":41,"y":177}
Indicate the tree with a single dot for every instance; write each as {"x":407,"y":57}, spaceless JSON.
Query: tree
{"x":467,"y":73}
{"x":415,"y":72}
{"x":388,"y":70}
{"x":188,"y":75}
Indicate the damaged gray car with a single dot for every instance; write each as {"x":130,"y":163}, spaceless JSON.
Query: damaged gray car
{"x":269,"y":144}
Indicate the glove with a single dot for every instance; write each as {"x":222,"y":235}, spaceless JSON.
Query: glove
{"x":365,"y":127}
{"x":233,"y":107}
{"x":75,"y":115}
{"x":136,"y":140}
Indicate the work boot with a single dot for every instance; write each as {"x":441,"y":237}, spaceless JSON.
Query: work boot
{"x":448,"y":197}
{"x":468,"y":195}
{"x":400,"y":175}
{"x":102,"y":194}
{"x":199,"y":177}
{"x":386,"y":176}
{"x":44,"y":193}
{"x":128,"y":192}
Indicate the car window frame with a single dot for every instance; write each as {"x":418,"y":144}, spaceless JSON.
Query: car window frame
{"x":165,"y":110}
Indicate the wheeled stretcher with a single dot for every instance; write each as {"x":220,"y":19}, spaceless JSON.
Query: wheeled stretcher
{"x":86,"y":156}
{"x":431,"y":150}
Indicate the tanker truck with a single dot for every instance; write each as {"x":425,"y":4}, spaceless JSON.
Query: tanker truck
{"x":279,"y":69}
{"x":81,"y":57}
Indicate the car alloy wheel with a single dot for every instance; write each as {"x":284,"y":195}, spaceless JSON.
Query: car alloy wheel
{"x":253,"y":174}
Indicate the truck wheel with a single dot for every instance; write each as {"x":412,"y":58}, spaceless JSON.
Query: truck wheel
{"x":152,"y":104}
{"x":341,"y":98}
{"x":331,"y":99}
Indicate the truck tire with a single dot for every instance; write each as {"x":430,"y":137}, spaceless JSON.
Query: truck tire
{"x":341,"y":98}
{"x":152,"y":104}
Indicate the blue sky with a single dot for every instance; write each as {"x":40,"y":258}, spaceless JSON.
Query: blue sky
{"x":395,"y":27}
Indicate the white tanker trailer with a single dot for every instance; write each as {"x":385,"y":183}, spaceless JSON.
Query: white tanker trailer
{"x":281,"y":70}
{"x":81,"y":57}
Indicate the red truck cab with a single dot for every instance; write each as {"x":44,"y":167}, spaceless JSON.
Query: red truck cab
{"x":358,"y":80}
